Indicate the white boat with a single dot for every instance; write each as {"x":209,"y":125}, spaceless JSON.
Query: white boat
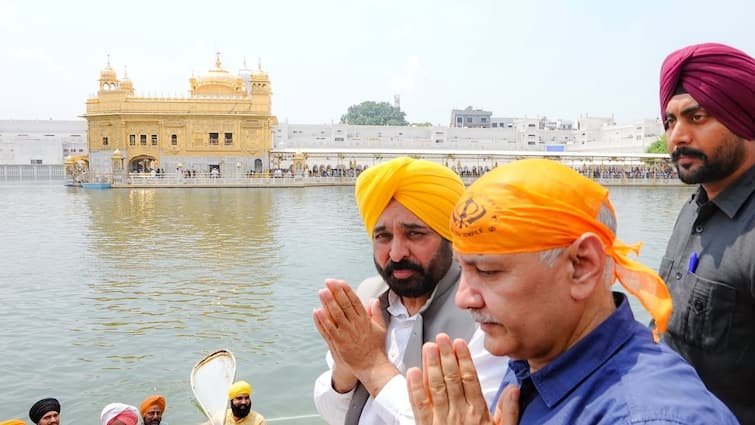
{"x":211,"y":378}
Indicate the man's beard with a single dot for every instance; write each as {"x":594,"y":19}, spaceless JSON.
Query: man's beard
{"x":423,"y":281}
{"x":152,"y":421}
{"x":241,"y":410}
{"x":728,"y":156}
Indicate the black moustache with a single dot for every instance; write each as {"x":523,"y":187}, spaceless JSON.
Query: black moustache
{"x":686,"y":152}
{"x":403,"y":265}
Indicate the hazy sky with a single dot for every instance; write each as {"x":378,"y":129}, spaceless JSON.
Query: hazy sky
{"x":515,"y":58}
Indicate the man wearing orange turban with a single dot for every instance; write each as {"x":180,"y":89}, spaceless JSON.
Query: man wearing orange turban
{"x":538,"y":251}
{"x":405,"y":205}
{"x":707,"y":99}
{"x":152,"y":409}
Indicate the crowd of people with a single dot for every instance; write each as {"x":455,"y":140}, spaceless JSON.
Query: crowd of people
{"x":150,"y":411}
{"x":647,"y":172}
{"x":655,"y":171}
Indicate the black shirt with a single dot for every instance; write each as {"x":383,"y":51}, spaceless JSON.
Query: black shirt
{"x":713,"y":320}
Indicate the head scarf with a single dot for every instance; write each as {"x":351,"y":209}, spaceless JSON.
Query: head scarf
{"x":720,"y":77}
{"x":150,"y":401}
{"x":40,"y":408}
{"x":238,"y":388}
{"x":427,"y":189}
{"x":537,"y":204}
{"x":126,"y":413}
{"x":13,"y":422}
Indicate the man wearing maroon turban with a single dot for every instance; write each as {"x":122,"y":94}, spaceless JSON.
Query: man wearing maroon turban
{"x":707,"y":99}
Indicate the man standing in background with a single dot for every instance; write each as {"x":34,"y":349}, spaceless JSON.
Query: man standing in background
{"x":707,"y":96}
{"x":240,"y":401}
{"x":376,"y":333}
{"x":152,"y":409}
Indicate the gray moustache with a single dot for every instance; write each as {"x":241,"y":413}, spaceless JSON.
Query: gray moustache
{"x":480,"y":317}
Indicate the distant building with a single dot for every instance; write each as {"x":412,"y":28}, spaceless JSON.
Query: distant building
{"x":470,"y":118}
{"x":41,"y":142}
{"x":225,"y":124}
{"x":636,"y":136}
{"x":500,"y":122}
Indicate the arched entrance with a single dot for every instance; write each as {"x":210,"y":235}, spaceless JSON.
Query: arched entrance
{"x":257,"y":165}
{"x":142,"y":164}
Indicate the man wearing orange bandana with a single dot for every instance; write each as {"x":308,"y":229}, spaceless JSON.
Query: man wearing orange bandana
{"x":152,"y":409}
{"x":405,"y":205}
{"x":538,"y":251}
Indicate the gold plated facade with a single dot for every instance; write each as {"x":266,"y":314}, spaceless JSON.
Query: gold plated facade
{"x":225,"y":119}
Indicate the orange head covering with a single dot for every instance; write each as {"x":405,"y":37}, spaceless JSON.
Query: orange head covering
{"x":155,"y":399}
{"x":13,"y":422}
{"x":238,"y":388}
{"x":538,"y":204}
{"x":427,"y":189}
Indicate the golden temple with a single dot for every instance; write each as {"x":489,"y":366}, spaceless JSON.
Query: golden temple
{"x":224,"y":124}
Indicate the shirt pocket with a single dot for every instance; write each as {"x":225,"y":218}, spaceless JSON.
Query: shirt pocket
{"x":705,"y":320}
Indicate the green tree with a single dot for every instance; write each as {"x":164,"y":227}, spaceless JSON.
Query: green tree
{"x":659,"y":146}
{"x":374,"y":113}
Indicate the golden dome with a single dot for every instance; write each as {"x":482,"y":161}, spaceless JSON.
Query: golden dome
{"x":259,"y":74}
{"x":217,"y":81}
{"x":126,"y":83}
{"x":108,"y":73}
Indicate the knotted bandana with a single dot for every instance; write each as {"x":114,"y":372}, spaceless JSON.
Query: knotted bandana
{"x":537,"y":204}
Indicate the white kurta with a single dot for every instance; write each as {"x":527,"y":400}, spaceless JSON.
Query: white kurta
{"x":392,"y":406}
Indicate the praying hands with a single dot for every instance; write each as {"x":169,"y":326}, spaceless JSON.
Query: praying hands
{"x":447,"y":390}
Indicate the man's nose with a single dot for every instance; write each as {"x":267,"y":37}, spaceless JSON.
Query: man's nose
{"x":677,"y":134}
{"x":399,"y":249}
{"x":465,"y":296}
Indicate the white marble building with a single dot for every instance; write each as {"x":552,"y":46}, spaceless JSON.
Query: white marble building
{"x":45,"y":142}
{"x":41,"y":142}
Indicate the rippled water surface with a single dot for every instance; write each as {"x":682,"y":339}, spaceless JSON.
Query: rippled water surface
{"x":113,"y":295}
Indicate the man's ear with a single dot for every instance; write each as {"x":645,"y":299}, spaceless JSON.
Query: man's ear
{"x":587,"y":257}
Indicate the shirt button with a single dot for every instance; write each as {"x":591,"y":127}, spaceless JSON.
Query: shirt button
{"x":698,"y":229}
{"x":698,"y":306}
{"x":678,"y":276}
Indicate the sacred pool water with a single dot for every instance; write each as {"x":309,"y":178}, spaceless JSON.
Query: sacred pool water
{"x":114,"y":295}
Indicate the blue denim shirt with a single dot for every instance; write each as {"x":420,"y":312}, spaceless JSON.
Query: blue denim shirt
{"x":617,"y":375}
